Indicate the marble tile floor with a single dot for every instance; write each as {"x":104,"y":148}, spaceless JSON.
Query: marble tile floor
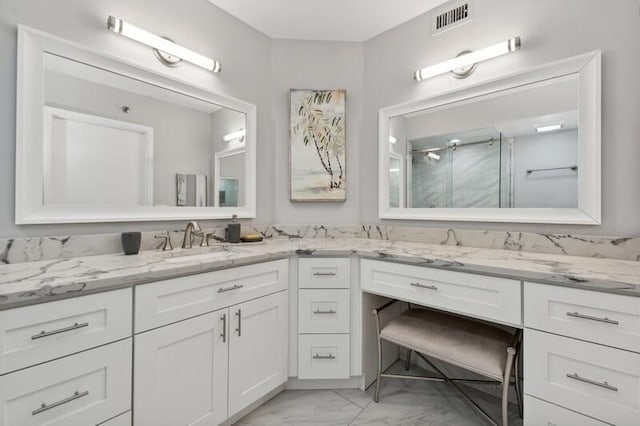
{"x":402,"y":403}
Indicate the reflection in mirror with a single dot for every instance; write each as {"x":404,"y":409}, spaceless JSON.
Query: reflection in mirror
{"x":516,"y":148}
{"x":230,"y":174}
{"x":228,"y":192}
{"x":395,"y":171}
{"x":111,"y":140}
{"x":191,"y":190}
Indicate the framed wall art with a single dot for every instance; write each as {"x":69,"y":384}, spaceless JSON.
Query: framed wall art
{"x":317,"y":150}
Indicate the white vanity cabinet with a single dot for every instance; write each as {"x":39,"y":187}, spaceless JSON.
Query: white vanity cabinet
{"x":180,"y":373}
{"x":198,"y":366}
{"x":66,"y":362}
{"x":324,"y":318}
{"x":79,"y":390}
{"x":581,"y":354}
{"x":258,"y":341}
{"x":481,"y":296}
{"x":38,"y":333}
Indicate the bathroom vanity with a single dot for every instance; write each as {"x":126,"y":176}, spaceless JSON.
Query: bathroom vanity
{"x":205,"y":335}
{"x":214,"y":334}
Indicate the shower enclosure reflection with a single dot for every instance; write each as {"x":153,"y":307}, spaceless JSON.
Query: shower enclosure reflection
{"x":514,"y":149}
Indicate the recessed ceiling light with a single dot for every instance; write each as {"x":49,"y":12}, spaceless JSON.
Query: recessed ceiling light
{"x":549,"y":127}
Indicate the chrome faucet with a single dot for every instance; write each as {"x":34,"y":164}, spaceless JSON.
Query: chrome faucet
{"x":166,"y":243}
{"x":191,"y":227}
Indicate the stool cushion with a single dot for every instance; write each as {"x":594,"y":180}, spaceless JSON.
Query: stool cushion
{"x":472,"y":345}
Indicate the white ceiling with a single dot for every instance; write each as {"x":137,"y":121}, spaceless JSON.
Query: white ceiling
{"x":335,"y":20}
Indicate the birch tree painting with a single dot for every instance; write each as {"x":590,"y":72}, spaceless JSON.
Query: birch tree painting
{"x":317,"y":151}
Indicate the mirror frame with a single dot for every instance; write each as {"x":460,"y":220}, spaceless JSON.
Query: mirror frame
{"x":587,"y":67}
{"x":29,"y":200}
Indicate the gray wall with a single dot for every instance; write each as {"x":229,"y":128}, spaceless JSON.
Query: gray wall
{"x":244,"y":53}
{"x":317,"y":65}
{"x":547,"y":188}
{"x":376,"y":74}
{"x":550,"y":30}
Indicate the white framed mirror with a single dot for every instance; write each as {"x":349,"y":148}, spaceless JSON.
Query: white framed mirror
{"x":101,"y":140}
{"x":520,"y":148}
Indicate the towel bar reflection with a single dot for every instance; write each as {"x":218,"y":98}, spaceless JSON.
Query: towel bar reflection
{"x":573,"y":168}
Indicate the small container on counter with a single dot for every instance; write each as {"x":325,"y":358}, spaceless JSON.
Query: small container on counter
{"x":131,"y":242}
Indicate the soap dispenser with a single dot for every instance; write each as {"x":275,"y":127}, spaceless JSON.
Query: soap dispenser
{"x":232,"y":233}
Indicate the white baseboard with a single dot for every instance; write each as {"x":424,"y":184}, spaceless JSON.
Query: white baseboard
{"x":297,"y":384}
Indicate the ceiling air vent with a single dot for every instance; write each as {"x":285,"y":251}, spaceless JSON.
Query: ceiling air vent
{"x":451,"y":15}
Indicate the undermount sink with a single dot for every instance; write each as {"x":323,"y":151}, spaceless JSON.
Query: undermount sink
{"x":188,"y":257}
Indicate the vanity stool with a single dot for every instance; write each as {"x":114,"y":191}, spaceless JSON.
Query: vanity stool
{"x":473,"y":345}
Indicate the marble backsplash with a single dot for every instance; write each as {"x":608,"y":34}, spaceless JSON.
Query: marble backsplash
{"x":18,"y":250}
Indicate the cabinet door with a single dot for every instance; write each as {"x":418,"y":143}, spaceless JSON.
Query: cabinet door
{"x":180,"y":375}
{"x":257,"y":349}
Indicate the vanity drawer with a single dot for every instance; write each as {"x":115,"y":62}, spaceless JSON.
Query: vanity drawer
{"x":323,"y":311}
{"x":33,"y":334}
{"x":169,"y":301}
{"x":596,"y":380}
{"x":541,"y":413}
{"x":609,"y":319}
{"x":83,"y":389}
{"x":323,"y":356}
{"x":481,"y":296}
{"x":324,"y":272}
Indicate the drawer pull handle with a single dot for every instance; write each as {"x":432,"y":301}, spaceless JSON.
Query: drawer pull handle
{"x":428,"y":287}
{"x":224,"y":328}
{"x":60,"y":330}
{"x":239,"y":329}
{"x":234,"y":287}
{"x":330,"y":356}
{"x":324,"y":274}
{"x":44,"y":407}
{"x":589,"y":317}
{"x":318,"y":311}
{"x":605,"y":385}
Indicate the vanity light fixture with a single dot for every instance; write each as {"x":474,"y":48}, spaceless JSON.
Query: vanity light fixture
{"x":433,"y":155}
{"x":465,"y":63}
{"x":168,"y":52}
{"x":240,"y":134}
{"x":549,"y":127}
{"x":392,"y":139}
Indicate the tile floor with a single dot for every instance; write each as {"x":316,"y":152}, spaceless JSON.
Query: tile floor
{"x":402,"y":403}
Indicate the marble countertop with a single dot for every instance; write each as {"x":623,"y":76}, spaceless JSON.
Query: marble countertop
{"x":36,"y":282}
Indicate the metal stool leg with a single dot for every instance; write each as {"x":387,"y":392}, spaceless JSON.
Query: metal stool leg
{"x":407,"y":362}
{"x":505,"y":386}
{"x":376,"y":312}
{"x":518,"y":385}
{"x":376,"y":396}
